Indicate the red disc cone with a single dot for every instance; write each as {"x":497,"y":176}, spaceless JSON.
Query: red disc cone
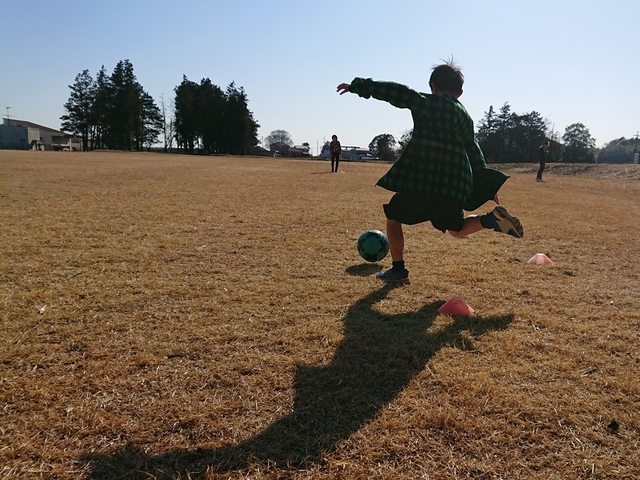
{"x":456,"y":307}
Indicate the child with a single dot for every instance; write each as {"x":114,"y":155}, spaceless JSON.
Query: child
{"x":543,"y":151}
{"x":335,"y":149}
{"x":442,"y":169}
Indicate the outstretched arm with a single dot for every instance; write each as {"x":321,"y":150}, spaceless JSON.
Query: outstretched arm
{"x":343,"y":88}
{"x":396,"y":94}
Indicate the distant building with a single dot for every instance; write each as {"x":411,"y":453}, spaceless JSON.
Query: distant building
{"x":350,"y":153}
{"x":280,"y":149}
{"x":23,"y":135}
{"x":261,"y":152}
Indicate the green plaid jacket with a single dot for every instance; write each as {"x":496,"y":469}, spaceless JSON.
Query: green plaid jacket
{"x":443,"y":158}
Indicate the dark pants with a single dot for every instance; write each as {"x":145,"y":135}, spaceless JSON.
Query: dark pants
{"x":335,"y":160}
{"x":540,"y":170}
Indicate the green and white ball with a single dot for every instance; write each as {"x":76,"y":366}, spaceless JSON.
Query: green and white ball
{"x":373,"y":245}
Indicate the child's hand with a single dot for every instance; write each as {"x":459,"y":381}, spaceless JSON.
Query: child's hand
{"x":496,"y":199}
{"x":343,"y":88}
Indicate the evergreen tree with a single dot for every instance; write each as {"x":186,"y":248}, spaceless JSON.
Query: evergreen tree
{"x":504,"y":132}
{"x":101,"y":111}
{"x":509,"y":137}
{"x":241,"y":129}
{"x":112,"y":111}
{"x":187,"y":116}
{"x":487,"y":135}
{"x":210,"y":117}
{"x":220,"y":122}
{"x":78,"y":119}
{"x":152,"y":122}
{"x":127,"y":107}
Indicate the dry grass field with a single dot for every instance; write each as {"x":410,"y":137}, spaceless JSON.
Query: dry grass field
{"x":176,"y":317}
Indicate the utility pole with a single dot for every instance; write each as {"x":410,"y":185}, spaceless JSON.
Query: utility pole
{"x":635,"y":150}
{"x":8,"y":116}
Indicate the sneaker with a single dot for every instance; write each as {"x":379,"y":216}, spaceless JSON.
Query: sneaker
{"x":506,"y":223}
{"x":392,"y":275}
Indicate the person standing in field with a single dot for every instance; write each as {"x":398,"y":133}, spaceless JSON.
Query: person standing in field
{"x":543,"y":151}
{"x":442,"y":170}
{"x":335,"y":149}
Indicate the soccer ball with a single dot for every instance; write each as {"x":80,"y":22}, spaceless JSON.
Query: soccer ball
{"x":373,"y":245}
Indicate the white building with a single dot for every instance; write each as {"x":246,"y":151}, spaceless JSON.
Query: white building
{"x":23,"y":135}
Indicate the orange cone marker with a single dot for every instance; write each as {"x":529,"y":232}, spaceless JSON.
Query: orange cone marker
{"x":457,"y":307}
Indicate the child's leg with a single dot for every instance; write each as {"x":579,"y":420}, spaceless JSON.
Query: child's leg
{"x":397,"y":273}
{"x":498,"y":220}
{"x":396,"y":240}
{"x":470,"y":225}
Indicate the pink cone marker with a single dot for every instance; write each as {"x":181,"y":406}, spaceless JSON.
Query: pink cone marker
{"x":456,"y":307}
{"x":540,"y":259}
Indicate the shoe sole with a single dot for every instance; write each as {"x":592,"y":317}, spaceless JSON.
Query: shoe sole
{"x":516,"y":230}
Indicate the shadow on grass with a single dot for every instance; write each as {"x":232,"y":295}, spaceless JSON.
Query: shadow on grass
{"x":374,"y":363}
{"x":364,"y":269}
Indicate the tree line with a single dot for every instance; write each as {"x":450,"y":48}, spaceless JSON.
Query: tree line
{"x":509,"y":137}
{"x":111,"y":111}
{"x":114,"y":111}
{"x":212,"y":120}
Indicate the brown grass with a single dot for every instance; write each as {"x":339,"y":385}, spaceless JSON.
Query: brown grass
{"x":209,"y":317}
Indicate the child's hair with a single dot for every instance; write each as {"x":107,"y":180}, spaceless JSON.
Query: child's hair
{"x":447,"y":78}
{"x":334,"y":137}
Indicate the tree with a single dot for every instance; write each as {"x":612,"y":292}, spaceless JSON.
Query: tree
{"x":404,"y":141}
{"x":187,"y":117}
{"x":510,"y":137}
{"x":216,"y":121}
{"x":278,"y":136}
{"x":579,"y":145}
{"x":168,"y":126}
{"x":150,"y":124}
{"x":78,"y":119}
{"x":210,"y":116}
{"x":241,"y":129}
{"x":101,"y":111}
{"x":112,"y":111}
{"x":325,"y":150}
{"x":529,"y":131}
{"x":124,"y":104}
{"x":620,"y":150}
{"x":383,"y":147}
{"x":504,"y":131}
{"x":487,"y":126}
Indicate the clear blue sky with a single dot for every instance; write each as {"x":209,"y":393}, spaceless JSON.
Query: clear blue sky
{"x":571,"y":61}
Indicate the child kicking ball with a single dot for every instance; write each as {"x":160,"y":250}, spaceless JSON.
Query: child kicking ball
{"x":442,"y":171}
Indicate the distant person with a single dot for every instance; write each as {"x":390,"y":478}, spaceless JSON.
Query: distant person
{"x":335,"y":150}
{"x":442,"y":171}
{"x":543,"y":151}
